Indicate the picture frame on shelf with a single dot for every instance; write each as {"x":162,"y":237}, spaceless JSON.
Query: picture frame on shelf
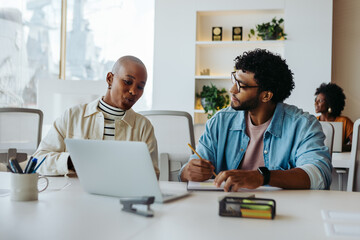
{"x":237,"y":33}
{"x":217,"y":33}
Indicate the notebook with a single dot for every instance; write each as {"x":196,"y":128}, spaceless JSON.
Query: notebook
{"x":207,"y":185}
{"x":116,"y":168}
{"x":338,"y":136}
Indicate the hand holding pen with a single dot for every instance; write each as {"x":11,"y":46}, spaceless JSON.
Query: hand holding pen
{"x":198,"y":169}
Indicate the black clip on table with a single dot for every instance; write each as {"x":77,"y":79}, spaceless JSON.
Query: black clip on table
{"x":128,"y":202}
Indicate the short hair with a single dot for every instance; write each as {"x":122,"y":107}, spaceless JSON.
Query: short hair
{"x":271,"y":72}
{"x":334,"y":97}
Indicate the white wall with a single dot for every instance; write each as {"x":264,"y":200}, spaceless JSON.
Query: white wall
{"x":55,"y":95}
{"x":307,"y":50}
{"x":346,"y":54}
{"x":174,"y":48}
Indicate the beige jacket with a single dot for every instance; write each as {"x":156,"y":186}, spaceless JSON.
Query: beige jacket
{"x":85,"y":121}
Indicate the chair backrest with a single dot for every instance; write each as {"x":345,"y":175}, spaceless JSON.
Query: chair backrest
{"x":173,"y":131}
{"x":354,"y":169}
{"x":20,"y":129}
{"x":328,"y":130}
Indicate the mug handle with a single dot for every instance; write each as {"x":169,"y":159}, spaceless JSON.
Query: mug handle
{"x":47,"y":184}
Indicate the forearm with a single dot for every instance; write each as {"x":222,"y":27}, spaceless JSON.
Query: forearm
{"x":53,"y":147}
{"x":295,"y":178}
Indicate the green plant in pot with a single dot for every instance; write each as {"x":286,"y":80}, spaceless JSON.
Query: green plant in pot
{"x":213,"y":99}
{"x":270,"y":30}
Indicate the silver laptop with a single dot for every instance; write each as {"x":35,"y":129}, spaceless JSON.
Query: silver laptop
{"x":338,"y":136}
{"x":116,"y":168}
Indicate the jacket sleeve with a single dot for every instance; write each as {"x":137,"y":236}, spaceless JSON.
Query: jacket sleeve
{"x":53,"y":147}
{"x":205,"y":147}
{"x":150,"y":140}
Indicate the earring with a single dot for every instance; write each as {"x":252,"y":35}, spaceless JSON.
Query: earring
{"x":329,"y":110}
{"x":109,"y":87}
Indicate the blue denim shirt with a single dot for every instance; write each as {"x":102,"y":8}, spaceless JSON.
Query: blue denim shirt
{"x":294,"y":138}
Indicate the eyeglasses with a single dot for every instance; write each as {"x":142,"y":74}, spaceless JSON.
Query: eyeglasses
{"x":234,"y":80}
{"x":319,"y":101}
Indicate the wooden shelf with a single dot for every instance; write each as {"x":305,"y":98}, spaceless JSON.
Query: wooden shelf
{"x":209,"y":77}
{"x":274,"y":43}
{"x":218,"y":56}
{"x":199,"y":111}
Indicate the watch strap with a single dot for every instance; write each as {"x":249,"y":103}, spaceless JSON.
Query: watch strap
{"x":266,"y":174}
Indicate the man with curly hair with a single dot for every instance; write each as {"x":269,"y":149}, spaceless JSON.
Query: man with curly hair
{"x":260,"y":140}
{"x":330,"y":101}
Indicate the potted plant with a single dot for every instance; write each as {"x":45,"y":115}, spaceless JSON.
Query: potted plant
{"x":270,"y":30}
{"x":213,"y":99}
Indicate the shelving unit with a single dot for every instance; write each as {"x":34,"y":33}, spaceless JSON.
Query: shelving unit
{"x":181,"y":29}
{"x":240,"y":43}
{"x":218,"y":56}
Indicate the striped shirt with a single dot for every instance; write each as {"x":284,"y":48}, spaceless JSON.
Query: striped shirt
{"x":110,"y":115}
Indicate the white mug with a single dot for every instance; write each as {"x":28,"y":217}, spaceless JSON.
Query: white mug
{"x":24,"y":187}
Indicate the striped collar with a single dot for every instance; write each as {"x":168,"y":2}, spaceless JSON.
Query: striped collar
{"x":110,"y":110}
{"x":92,"y":108}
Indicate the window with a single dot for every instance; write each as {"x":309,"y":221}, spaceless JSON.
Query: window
{"x":98,"y":32}
{"x":29,"y":48}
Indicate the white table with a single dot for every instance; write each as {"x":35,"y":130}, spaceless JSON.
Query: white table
{"x":71,"y":213}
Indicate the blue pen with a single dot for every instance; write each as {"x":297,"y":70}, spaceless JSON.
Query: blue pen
{"x":8,"y":167}
{"x":28,"y":165}
{"x":16,"y":165}
{"x":39,"y":165}
{"x":32,"y":165}
{"x":14,"y":170}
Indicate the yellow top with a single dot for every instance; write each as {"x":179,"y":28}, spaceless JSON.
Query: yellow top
{"x":347,"y":127}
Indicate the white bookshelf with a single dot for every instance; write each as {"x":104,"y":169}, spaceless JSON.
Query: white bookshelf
{"x":218,"y":56}
{"x":257,"y":43}
{"x":182,"y":26}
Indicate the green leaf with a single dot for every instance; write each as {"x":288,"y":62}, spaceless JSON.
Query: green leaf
{"x":270,"y":30}
{"x":215,"y":99}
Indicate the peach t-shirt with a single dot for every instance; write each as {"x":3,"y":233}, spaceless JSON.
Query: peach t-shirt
{"x":254,"y":157}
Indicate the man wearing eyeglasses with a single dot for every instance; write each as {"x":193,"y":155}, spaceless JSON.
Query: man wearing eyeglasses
{"x":260,"y":140}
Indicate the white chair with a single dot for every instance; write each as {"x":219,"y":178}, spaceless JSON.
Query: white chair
{"x":173,"y":131}
{"x":354,"y":169}
{"x":328,"y":130}
{"x":20,"y":130}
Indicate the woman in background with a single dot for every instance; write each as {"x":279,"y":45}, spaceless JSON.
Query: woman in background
{"x":330,"y":101}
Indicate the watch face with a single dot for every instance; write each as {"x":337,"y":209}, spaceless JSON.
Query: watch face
{"x":266,"y":173}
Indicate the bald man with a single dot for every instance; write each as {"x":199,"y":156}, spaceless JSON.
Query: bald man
{"x":107,"y":118}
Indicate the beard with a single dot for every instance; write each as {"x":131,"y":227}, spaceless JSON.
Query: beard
{"x":247,"y":105}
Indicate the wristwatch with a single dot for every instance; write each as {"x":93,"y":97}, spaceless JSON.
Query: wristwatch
{"x":266,"y":174}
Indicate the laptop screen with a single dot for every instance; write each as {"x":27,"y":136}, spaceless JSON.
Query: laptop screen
{"x":114,"y":168}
